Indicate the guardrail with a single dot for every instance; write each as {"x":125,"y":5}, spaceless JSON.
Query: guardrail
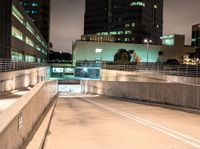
{"x":8,"y":65}
{"x":175,"y":70}
{"x":164,"y":69}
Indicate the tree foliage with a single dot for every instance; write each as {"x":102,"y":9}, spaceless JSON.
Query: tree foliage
{"x":195,"y":54}
{"x":122,"y":55}
{"x":135,"y":58}
{"x":59,"y":56}
{"x":192,"y":58}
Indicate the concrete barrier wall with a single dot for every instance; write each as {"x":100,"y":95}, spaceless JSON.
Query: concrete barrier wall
{"x":17,"y":121}
{"x":115,"y":75}
{"x":166,"y":93}
{"x":18,"y":79}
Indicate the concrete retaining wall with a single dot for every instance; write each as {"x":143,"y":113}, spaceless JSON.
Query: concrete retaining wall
{"x":18,"y":79}
{"x":114,"y":75}
{"x":183,"y":95}
{"x":17,"y":122}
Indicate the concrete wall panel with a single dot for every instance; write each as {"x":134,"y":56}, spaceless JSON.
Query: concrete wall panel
{"x":19,"y":79}
{"x":30,"y":107}
{"x":183,"y":95}
{"x":144,"y":76}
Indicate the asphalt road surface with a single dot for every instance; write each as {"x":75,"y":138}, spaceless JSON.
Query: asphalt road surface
{"x":98,"y":122}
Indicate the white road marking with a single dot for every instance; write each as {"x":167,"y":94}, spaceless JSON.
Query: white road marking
{"x":179,"y":136}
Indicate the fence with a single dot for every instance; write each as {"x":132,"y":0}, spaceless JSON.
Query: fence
{"x":175,"y":70}
{"x":7,"y":65}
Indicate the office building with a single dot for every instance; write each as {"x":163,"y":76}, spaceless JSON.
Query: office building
{"x":128,"y":20}
{"x":196,"y":36}
{"x":20,"y":38}
{"x":5,"y":30}
{"x":39,"y":11}
{"x":173,"y":48}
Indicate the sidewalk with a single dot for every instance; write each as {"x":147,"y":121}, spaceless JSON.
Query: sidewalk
{"x":9,"y":98}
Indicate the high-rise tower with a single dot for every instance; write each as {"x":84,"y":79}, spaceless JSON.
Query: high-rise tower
{"x":196,"y":35}
{"x":5,"y":29}
{"x":128,"y":20}
{"x":39,"y":11}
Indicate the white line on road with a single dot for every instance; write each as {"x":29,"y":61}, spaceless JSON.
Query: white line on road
{"x":179,"y":136}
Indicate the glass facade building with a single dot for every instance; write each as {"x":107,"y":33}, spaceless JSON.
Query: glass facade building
{"x":5,"y":30}
{"x":128,"y":20}
{"x":196,"y":35}
{"x":39,"y":11}
{"x":20,"y":38}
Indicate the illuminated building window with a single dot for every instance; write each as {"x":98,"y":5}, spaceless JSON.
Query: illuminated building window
{"x":35,"y":4}
{"x":127,"y":25}
{"x":98,"y":50}
{"x":120,"y":32}
{"x":28,"y":26}
{"x":113,"y":33}
{"x":133,"y":24}
{"x":127,"y":39}
{"x":38,"y":48}
{"x":128,"y":32}
{"x":38,"y":38}
{"x":17,"y":14}
{"x":168,"y":40}
{"x":45,"y":45}
{"x":29,"y":42}
{"x":34,"y":12}
{"x":194,"y":40}
{"x":102,"y":33}
{"x":39,"y":60}
{"x":138,"y":3}
{"x":17,"y":34}
{"x":16,"y":56}
{"x":119,"y":39}
{"x":29,"y":58}
{"x":44,"y":52}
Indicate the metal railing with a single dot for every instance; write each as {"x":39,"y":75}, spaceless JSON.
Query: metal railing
{"x":160,"y":68}
{"x":88,"y":64}
{"x":176,"y":70}
{"x":8,"y":65}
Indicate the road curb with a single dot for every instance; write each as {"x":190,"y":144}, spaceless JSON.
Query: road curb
{"x":38,"y":140}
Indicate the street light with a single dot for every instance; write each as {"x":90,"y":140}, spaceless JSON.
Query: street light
{"x":85,"y":69}
{"x":147,"y":41}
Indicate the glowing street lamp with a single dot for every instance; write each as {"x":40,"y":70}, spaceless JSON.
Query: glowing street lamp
{"x":147,"y":41}
{"x":85,"y":69}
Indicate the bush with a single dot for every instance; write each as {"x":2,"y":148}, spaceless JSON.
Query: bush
{"x":172,"y":62}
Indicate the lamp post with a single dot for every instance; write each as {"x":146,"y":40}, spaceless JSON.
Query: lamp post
{"x":147,"y":41}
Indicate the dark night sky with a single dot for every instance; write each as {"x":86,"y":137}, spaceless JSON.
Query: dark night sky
{"x":67,"y":20}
